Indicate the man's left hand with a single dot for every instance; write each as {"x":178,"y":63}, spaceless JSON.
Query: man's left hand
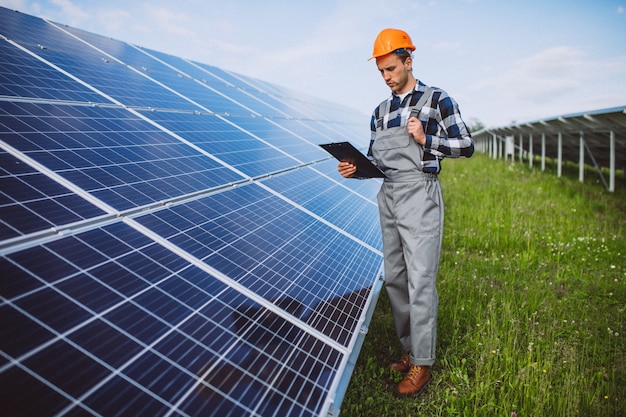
{"x":416,"y":130}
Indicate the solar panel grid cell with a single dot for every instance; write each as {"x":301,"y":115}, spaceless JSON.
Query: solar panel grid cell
{"x":328,"y":199}
{"x":95,"y":68}
{"x":228,"y":142}
{"x":22,"y":75}
{"x":30,"y":201}
{"x":288,"y":136}
{"x":225,"y":84}
{"x":148,"y":164}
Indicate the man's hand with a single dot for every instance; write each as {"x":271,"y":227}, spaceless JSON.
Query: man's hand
{"x":416,"y":130}
{"x":346,"y":169}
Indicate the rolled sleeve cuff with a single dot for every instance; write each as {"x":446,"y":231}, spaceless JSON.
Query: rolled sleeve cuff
{"x":432,"y":142}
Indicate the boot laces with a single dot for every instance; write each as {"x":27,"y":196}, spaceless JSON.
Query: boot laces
{"x":413,"y":372}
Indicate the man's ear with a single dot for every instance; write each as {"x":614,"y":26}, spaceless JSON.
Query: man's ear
{"x":409,"y":63}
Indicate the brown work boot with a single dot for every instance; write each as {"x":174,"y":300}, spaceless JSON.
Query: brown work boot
{"x":414,"y":382}
{"x":403,"y":364}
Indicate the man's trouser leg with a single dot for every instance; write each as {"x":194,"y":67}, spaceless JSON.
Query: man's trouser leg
{"x":411,"y":215}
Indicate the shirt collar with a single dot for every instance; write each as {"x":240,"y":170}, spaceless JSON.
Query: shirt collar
{"x":419,"y":86}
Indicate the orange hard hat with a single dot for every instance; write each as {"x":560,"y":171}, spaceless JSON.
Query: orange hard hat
{"x":390,"y":40}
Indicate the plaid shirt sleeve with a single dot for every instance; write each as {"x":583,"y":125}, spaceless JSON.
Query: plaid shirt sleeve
{"x":446,"y":132}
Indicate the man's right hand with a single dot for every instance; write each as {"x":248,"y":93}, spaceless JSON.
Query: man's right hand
{"x":346,"y":169}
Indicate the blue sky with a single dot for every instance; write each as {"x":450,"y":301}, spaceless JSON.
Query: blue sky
{"x":503,"y":61}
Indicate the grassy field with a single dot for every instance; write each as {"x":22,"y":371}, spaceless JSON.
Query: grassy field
{"x":532,"y":290}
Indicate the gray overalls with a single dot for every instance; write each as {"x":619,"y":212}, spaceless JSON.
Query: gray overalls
{"x":411,"y":217}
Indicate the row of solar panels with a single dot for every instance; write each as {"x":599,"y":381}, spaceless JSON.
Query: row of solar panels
{"x":596,"y":128}
{"x":172,"y":239}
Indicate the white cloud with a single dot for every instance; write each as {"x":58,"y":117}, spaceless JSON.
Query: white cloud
{"x":114,"y":20}
{"x":14,"y":4}
{"x":170,"y":22}
{"x":73,"y":15}
{"x":543,"y":76}
{"x":554,"y":81}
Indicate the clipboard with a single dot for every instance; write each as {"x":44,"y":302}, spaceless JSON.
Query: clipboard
{"x":345,"y":151}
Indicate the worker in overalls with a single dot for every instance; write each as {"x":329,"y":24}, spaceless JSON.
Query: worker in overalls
{"x":412,"y":131}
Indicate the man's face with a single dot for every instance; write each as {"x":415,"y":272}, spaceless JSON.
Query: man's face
{"x":395,"y":73}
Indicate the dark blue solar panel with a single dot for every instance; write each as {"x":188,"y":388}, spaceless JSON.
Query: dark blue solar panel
{"x":22,"y":75}
{"x":311,"y":107}
{"x":25,"y":29}
{"x":368,"y":188}
{"x":222,"y":138}
{"x":111,"y":153}
{"x":30,"y":201}
{"x":177,"y":339}
{"x":334,"y":202}
{"x":228,"y":86}
{"x":297,"y":142}
{"x":181,"y":248}
{"x":274,"y":249}
{"x":178,"y":80}
{"x":92,"y":66}
{"x":262,"y":91}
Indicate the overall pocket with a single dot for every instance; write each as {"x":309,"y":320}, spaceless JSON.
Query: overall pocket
{"x":392,"y":138}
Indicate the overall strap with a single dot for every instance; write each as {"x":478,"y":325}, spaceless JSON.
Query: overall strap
{"x":382,"y":110}
{"x":415,"y":109}
{"x":427,"y":95}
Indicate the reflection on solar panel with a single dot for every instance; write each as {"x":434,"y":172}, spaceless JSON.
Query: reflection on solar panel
{"x":172,"y":240}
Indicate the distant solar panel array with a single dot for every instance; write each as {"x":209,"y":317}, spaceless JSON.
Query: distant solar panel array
{"x":172,"y":240}
{"x":596,"y":138}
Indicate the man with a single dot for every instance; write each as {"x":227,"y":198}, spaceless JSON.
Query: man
{"x":409,"y":149}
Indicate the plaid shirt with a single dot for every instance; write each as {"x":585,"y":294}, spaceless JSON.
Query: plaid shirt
{"x":446,"y":133}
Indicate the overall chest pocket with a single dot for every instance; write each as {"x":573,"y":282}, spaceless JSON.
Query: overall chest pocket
{"x":392,"y":138}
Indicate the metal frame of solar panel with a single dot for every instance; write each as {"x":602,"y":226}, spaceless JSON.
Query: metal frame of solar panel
{"x":596,"y":138}
{"x":172,"y":240}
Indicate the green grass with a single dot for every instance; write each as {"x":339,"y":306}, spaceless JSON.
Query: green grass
{"x":532,"y":289}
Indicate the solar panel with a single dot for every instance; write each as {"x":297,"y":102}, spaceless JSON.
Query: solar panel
{"x":173,"y":242}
